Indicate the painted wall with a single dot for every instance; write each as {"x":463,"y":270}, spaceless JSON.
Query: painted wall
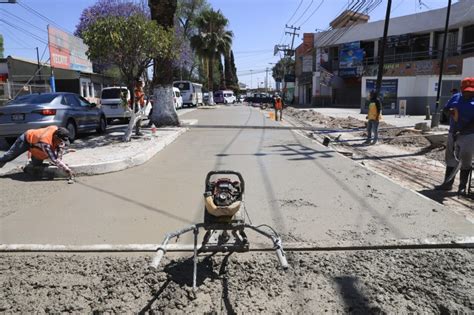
{"x":418,"y":91}
{"x":468,"y":67}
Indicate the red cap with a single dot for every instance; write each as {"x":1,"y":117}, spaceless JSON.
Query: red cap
{"x":467,"y":85}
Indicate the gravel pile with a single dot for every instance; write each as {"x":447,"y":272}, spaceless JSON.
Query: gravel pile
{"x":396,"y":136}
{"x":374,"y":282}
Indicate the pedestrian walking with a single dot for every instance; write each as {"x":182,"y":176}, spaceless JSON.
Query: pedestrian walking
{"x":278,"y":104}
{"x":461,"y":107}
{"x":373,"y":118}
{"x":43,"y":143}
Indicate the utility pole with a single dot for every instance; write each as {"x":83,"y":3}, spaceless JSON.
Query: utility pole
{"x":289,"y":53}
{"x":266,"y":80}
{"x":293,"y":34}
{"x":38,"y":60}
{"x":251,"y":79}
{"x":382,"y":50}
{"x":436,"y":114}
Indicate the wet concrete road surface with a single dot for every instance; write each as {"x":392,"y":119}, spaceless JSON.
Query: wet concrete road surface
{"x":303,"y":189}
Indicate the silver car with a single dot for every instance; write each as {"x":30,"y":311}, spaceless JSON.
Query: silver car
{"x":34,"y":111}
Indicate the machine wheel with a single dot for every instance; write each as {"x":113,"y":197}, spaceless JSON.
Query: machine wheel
{"x":102,"y":125}
{"x":71,"y":127}
{"x":10,"y":140}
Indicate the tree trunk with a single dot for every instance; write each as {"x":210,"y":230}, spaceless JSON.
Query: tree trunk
{"x":229,"y":79}
{"x":222,"y":83}
{"x":164,"y":112}
{"x":210,"y":64}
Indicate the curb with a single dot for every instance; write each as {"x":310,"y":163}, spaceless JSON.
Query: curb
{"x":132,"y":161}
{"x":109,"y":166}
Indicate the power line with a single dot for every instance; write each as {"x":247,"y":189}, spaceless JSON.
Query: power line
{"x":304,"y":12}
{"x":23,"y":20}
{"x":299,"y":5}
{"x":38,"y":14}
{"x":322,"y":1}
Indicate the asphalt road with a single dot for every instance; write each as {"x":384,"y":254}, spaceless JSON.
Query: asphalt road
{"x":303,"y":189}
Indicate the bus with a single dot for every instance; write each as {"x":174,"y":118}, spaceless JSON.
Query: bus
{"x":190,"y":92}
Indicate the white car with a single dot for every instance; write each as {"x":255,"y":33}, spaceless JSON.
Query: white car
{"x":177,"y":98}
{"x":112,"y":104}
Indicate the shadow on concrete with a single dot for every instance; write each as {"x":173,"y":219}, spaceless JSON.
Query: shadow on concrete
{"x":137,"y":203}
{"x":441,"y":195}
{"x":181,"y":271}
{"x":147,"y":308}
{"x":354,"y":300}
{"x":301,"y":152}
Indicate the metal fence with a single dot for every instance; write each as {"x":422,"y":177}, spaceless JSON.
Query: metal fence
{"x":10,"y":90}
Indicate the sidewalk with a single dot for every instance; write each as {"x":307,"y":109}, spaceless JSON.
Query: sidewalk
{"x":405,"y":121}
{"x":100,"y":154}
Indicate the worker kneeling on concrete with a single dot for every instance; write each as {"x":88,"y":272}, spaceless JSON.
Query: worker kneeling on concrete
{"x":43,"y":143}
{"x":461,"y":107}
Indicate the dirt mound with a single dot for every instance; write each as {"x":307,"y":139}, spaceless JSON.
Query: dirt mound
{"x":361,"y":282}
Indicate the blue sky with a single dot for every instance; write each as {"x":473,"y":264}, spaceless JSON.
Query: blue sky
{"x":257,"y":25}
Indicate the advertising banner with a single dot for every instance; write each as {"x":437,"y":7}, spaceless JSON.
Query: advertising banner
{"x":388,"y":92}
{"x":351,"y":57}
{"x":67,"y":51}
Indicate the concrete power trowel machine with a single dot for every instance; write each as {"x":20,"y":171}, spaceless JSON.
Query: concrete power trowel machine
{"x":224,"y":222}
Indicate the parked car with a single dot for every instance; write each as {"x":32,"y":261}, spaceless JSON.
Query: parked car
{"x":177,"y":98}
{"x":259,"y":98}
{"x":33,"y":111}
{"x":205,"y":97}
{"x":112,"y":104}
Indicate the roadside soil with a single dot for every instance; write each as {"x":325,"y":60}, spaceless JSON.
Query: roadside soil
{"x":370,"y":282}
{"x":403,"y":155}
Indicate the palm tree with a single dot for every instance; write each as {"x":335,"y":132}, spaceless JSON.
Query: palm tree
{"x":212,"y":41}
{"x":164,"y":112}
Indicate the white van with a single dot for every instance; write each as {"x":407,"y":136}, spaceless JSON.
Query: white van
{"x":177,"y":98}
{"x":111,"y":104}
{"x":190,"y":92}
{"x":225,"y":97}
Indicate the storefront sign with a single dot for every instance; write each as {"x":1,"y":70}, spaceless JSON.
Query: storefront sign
{"x":388,"y":92}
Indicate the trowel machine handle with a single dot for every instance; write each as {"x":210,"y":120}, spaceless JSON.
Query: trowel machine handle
{"x":212,"y":173}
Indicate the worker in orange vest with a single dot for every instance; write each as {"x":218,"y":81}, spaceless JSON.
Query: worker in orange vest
{"x":43,"y":143}
{"x":139,"y":103}
{"x":278,"y":104}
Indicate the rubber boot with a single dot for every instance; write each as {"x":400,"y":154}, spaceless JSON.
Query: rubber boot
{"x":464,"y":177}
{"x":446,"y":185}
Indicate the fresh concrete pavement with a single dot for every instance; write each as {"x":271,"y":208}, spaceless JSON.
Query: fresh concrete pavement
{"x":305,"y":190}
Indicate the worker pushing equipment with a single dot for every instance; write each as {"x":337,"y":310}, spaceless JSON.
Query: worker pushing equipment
{"x":224,"y":222}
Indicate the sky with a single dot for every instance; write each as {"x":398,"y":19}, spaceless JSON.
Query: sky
{"x":258,"y":25}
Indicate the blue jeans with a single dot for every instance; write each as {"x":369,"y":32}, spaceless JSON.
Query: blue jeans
{"x":18,"y":148}
{"x":373,"y":126}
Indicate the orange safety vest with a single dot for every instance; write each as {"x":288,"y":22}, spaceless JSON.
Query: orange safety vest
{"x":44,"y":135}
{"x":139,"y":96}
{"x":278,"y":104}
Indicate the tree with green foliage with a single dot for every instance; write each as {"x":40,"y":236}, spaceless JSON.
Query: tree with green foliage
{"x":164,"y":112}
{"x":231,"y":80}
{"x":130,"y":43}
{"x":283,"y":66}
{"x":212,"y":41}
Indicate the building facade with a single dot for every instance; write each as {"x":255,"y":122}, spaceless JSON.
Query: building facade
{"x":346,"y":59}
